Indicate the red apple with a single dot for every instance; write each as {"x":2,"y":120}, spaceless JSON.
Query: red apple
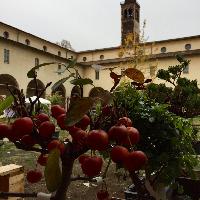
{"x":79,"y":137}
{"x":117,"y":133}
{"x":125,"y":121}
{"x":84,"y":122}
{"x":119,"y":154}
{"x":23,"y":126}
{"x":42,"y":159}
{"x":91,"y":166}
{"x":28,"y":141}
{"x":135,"y":160}
{"x":98,"y":140}
{"x":4,"y":130}
{"x":82,"y":158}
{"x":56,"y":144}
{"x":132,"y":138}
{"x":57,"y":110}
{"x":42,"y":117}
{"x":61,"y":121}
{"x":34,"y":176}
{"x":46,"y":130}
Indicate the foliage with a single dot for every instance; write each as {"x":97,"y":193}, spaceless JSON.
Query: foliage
{"x":183,"y":98}
{"x":55,"y":99}
{"x":165,"y":137}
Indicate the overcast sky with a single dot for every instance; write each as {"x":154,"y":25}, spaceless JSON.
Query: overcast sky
{"x":91,"y":24}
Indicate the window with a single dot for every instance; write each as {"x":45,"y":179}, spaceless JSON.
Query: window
{"x":122,"y":71}
{"x":27,"y":41}
{"x":44,"y":48}
{"x":163,"y":50}
{"x":125,"y":14}
{"x":188,"y":46}
{"x":59,"y":53}
{"x":96,"y":75}
{"x":101,"y":57}
{"x":6,"y":56}
{"x":130,"y":12}
{"x":59,"y":69}
{"x":71,"y":57}
{"x":84,"y":59}
{"x":137,"y":15}
{"x":6,"y":35}
{"x":186,"y":70}
{"x":37,"y":62}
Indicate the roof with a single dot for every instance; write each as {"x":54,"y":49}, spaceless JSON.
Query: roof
{"x":151,"y":42}
{"x":36,"y":36}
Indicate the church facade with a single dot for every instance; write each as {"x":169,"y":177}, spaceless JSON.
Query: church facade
{"x":20,"y":51}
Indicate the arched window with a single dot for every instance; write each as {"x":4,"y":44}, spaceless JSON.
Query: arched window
{"x":31,"y":88}
{"x":130,"y":12}
{"x":6,"y":35}
{"x":59,"y":53}
{"x":6,"y":79}
{"x":101,"y":57}
{"x":44,"y":48}
{"x":37,"y":62}
{"x":84,"y":59}
{"x":163,"y":50}
{"x":188,"y":46}
{"x":27,"y":41}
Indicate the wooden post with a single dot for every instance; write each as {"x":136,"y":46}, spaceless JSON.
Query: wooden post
{"x":12,"y":179}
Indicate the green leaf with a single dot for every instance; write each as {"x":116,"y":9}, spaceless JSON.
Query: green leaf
{"x":60,"y":82}
{"x":78,"y":109}
{"x":81,"y":81}
{"x":71,"y":63}
{"x":6,"y":104}
{"x":52,"y":171}
{"x":31,"y":73}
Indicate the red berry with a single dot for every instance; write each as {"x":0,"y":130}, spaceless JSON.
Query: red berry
{"x":42,"y":117}
{"x":119,"y":154}
{"x":34,"y":176}
{"x":135,"y":160}
{"x":23,"y":126}
{"x":57,"y":110}
{"x":46,"y":129}
{"x":98,"y":140}
{"x":42,"y":159}
{"x":91,"y":166}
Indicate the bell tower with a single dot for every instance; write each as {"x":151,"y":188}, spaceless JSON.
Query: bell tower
{"x":130,"y":20}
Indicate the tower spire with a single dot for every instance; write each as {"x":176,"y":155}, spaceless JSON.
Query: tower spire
{"x":130,"y":20}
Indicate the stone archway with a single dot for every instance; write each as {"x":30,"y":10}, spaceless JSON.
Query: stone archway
{"x":94,"y":92}
{"x":6,"y":79}
{"x":61,"y":91}
{"x":76,"y":91}
{"x":31,"y":88}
